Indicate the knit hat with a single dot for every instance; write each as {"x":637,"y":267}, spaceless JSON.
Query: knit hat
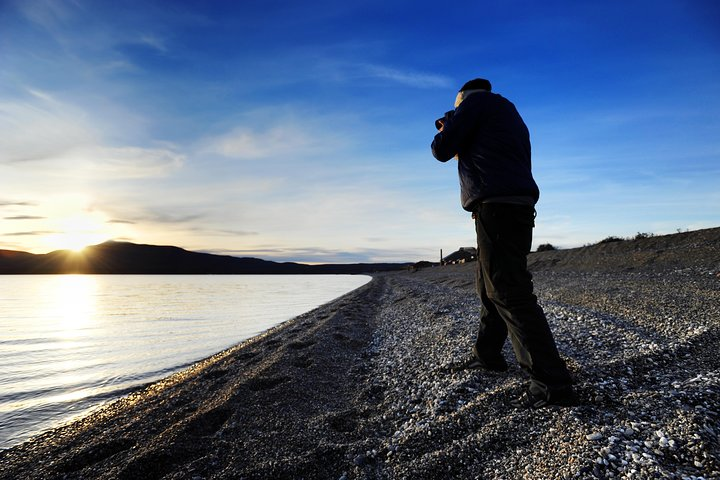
{"x":476,"y":85}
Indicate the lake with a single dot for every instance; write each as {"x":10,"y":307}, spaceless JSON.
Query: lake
{"x":70,"y":343}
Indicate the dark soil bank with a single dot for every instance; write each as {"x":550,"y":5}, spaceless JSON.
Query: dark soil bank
{"x":358,"y":388}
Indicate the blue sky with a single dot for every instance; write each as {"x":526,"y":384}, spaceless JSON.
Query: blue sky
{"x":301,"y":130}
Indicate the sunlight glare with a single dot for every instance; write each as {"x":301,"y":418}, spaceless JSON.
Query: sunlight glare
{"x":77,"y":232}
{"x":73,"y":304}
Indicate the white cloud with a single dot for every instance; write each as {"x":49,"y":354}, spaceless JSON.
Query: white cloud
{"x":154,"y":42}
{"x":121,"y":162}
{"x":46,"y":13}
{"x":41,"y":127}
{"x":42,"y":130}
{"x":287,"y":138}
{"x":408,"y":77}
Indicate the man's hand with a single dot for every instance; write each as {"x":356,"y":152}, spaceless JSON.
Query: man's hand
{"x":440,"y":122}
{"x":444,"y":148}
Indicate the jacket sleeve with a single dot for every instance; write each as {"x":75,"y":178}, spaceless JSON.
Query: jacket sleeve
{"x":458,"y":127}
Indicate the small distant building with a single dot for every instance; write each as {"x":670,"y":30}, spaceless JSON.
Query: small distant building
{"x":462,"y":255}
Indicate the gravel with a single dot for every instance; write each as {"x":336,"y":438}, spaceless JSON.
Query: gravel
{"x":360,"y":388}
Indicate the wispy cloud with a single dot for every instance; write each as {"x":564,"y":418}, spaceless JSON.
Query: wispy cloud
{"x":41,"y":127}
{"x":122,"y":222}
{"x":122,"y":162}
{"x":10,"y":203}
{"x":99,"y":162}
{"x":408,"y":77}
{"x":168,"y":218}
{"x":24,"y":217}
{"x":284,"y":139}
{"x":230,"y":232}
{"x":319,"y":254}
{"x":49,"y":14}
{"x":154,"y":42}
{"x":30,"y":234}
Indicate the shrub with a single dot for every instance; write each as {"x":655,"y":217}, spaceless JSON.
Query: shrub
{"x":611,"y":240}
{"x":641,"y":235}
{"x":545,"y":247}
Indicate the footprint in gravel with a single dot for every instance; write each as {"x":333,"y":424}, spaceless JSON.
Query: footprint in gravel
{"x":215,"y":374}
{"x":343,"y":421}
{"x":267,"y":383}
{"x":249,"y":358}
{"x":270,"y":344}
{"x":157,"y":463}
{"x":95,"y":454}
{"x":302,"y":362}
{"x":207,"y":423}
{"x":375,"y":393}
{"x":299,"y":345}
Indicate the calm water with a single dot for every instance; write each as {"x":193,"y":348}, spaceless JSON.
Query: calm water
{"x":69,"y":343}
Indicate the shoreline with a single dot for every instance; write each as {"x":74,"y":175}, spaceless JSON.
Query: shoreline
{"x":85,"y":322}
{"x":356,"y":388}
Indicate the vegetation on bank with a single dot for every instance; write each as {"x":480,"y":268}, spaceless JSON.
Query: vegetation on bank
{"x":611,"y":239}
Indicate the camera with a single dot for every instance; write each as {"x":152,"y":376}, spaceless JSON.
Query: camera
{"x":440,"y":122}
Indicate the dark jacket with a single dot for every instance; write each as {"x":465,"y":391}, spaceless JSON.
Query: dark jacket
{"x":492,"y":143}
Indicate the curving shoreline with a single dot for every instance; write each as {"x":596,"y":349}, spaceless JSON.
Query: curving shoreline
{"x":357,"y":387}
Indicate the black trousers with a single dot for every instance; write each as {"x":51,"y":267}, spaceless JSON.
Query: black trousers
{"x":509,"y":306}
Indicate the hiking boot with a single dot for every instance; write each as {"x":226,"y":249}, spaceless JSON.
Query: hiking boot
{"x":528,"y":400}
{"x":474,"y":363}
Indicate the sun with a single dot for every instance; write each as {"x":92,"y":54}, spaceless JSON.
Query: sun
{"x":77,"y":232}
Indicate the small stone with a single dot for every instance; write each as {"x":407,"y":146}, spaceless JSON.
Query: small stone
{"x":594,"y":436}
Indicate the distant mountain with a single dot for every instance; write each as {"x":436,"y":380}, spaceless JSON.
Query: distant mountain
{"x":130,"y":258}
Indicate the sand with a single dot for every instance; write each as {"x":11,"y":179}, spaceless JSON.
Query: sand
{"x":359,"y":388}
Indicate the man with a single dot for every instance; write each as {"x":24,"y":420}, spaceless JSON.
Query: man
{"x":492,"y":145}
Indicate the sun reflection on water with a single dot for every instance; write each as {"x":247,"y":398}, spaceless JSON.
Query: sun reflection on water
{"x":71,"y":342}
{"x":72,"y":305}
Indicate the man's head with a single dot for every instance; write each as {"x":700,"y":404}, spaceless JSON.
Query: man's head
{"x":475,"y":85}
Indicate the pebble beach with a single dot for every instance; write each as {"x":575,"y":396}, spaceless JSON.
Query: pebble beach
{"x":360,"y":388}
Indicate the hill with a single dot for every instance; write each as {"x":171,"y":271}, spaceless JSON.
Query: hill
{"x":698,"y":250}
{"x":130,"y":258}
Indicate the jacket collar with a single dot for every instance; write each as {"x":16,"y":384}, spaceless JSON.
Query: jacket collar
{"x":462,"y":95}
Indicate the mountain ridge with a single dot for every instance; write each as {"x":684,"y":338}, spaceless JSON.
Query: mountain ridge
{"x":113,"y":257}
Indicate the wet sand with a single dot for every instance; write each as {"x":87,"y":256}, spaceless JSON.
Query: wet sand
{"x":359,"y":388}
